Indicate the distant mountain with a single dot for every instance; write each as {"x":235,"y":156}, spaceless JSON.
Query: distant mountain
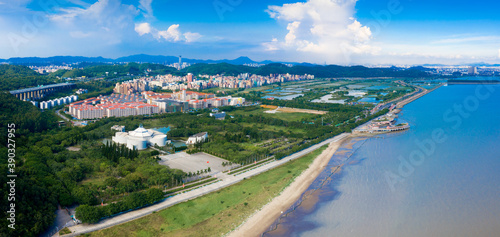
{"x":161,"y":59}
{"x":138,"y":58}
{"x":99,"y":65}
{"x":480,"y":64}
{"x":56,"y":60}
{"x":144,"y":58}
{"x":240,"y":61}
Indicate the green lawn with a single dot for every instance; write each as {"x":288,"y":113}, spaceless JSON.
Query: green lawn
{"x":217,"y":213}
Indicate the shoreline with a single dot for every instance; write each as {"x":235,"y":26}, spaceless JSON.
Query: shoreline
{"x":252,"y":226}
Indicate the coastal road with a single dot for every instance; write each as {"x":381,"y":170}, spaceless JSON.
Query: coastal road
{"x":227,"y":180}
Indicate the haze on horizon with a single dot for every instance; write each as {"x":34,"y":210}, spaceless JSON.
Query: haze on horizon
{"x":315,"y":31}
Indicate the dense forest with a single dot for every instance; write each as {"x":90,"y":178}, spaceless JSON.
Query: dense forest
{"x":18,"y":77}
{"x":13,"y":77}
{"x":50,"y":175}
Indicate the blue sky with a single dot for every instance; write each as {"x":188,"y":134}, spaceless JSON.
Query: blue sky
{"x":317,"y":31}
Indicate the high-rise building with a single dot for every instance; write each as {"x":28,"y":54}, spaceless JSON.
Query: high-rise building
{"x":472,"y":70}
{"x":190,"y":77}
{"x":180,"y":63}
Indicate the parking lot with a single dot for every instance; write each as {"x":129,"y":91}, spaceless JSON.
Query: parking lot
{"x":194,"y":162}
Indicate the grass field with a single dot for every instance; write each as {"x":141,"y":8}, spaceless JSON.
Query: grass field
{"x":281,"y":115}
{"x":307,"y":111}
{"x":274,"y":128}
{"x":217,"y":213}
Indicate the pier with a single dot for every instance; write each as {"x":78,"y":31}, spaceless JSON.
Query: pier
{"x":383,"y":124}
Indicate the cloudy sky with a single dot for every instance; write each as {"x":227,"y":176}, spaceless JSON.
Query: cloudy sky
{"x":316,"y":31}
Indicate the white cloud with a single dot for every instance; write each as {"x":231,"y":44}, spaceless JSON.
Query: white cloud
{"x":145,"y":5}
{"x":110,"y":20}
{"x":172,"y":34}
{"x":323,"y":29}
{"x":14,"y":5}
{"x":191,"y":37}
{"x":79,"y":3}
{"x":498,"y":53}
{"x":474,"y":39}
{"x":271,"y":46}
{"x":80,"y":34}
{"x":143,"y":28}
{"x":292,"y":31}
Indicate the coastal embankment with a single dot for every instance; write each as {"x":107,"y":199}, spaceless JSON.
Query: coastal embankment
{"x":258,"y":223}
{"x":401,"y":104}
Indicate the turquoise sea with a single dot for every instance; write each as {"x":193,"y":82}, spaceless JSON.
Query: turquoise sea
{"x":440,"y":178}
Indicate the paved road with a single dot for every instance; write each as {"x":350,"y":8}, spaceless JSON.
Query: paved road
{"x":227,"y":180}
{"x":58,"y":112}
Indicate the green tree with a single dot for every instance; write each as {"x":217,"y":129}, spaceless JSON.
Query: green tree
{"x":84,"y":195}
{"x":88,"y":214}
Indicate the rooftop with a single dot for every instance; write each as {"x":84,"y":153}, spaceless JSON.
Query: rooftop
{"x":201,"y":134}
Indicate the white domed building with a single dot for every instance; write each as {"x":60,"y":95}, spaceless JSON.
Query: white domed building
{"x":140,"y":138}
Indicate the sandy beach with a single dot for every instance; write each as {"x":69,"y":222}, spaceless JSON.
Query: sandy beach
{"x":260,"y":221}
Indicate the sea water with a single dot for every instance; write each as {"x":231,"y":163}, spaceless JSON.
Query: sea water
{"x":440,"y":178}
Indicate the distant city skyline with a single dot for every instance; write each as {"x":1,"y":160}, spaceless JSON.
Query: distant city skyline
{"x":344,"y":32}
